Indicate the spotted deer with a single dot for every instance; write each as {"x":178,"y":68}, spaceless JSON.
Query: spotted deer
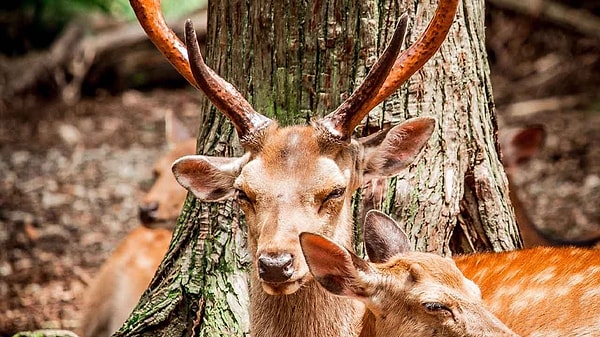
{"x":122,"y":279}
{"x":541,"y":291}
{"x":299,"y":178}
{"x":406,"y":293}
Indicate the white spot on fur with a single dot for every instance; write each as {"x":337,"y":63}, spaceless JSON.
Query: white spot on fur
{"x":546,"y":275}
{"x":591,"y":294}
{"x":576,"y":279}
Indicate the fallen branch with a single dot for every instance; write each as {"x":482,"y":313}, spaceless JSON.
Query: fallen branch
{"x":580,"y":20}
{"x":67,"y":62}
{"x":531,"y":107}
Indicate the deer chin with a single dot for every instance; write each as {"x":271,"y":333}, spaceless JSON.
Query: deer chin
{"x":284,"y":288}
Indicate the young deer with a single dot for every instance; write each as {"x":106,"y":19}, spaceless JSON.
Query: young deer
{"x":125,"y":275}
{"x":406,"y":293}
{"x":542,"y":291}
{"x":122,"y":280}
{"x":299,"y":178}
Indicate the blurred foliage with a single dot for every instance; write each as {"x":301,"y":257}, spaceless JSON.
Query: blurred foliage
{"x":34,"y":24}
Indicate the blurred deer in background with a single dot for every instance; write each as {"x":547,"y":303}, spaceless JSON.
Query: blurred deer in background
{"x":125,"y":275}
{"x":518,"y":145}
{"x":406,"y":293}
{"x":299,"y":178}
{"x":541,"y":291}
{"x":164,"y":200}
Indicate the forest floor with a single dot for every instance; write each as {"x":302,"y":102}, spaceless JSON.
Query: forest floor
{"x":72,"y":176}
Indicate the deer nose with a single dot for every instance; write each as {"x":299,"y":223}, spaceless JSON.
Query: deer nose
{"x":147,"y":212}
{"x":275,"y":268}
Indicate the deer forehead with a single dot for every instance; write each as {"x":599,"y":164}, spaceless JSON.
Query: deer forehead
{"x":292,"y":159}
{"x":439,"y":276}
{"x":318,"y":176}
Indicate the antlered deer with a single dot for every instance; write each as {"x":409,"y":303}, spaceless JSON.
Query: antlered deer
{"x":125,"y":275}
{"x":542,"y":291}
{"x":299,"y":178}
{"x":406,"y":293}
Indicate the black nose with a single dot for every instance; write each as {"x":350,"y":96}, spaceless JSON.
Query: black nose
{"x":275,"y":268}
{"x":147,"y":212}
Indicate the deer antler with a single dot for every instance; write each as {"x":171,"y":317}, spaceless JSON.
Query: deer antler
{"x":150,"y":16}
{"x":344,"y":119}
{"x":221,"y":93}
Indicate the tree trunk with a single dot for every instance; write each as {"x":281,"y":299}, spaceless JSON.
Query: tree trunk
{"x":296,"y":60}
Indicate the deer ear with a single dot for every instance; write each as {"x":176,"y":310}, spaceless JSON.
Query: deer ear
{"x":175,"y":131}
{"x":398,"y":149}
{"x":383,"y":238}
{"x":334,"y":267}
{"x":519,"y":145}
{"x":208,"y":178}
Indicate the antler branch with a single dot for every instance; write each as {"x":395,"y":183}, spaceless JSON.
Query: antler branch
{"x":150,"y":16}
{"x":343,"y":120}
{"x":220,"y":92}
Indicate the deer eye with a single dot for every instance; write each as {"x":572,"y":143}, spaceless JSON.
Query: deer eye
{"x":242,"y":196}
{"x":335,"y":194}
{"x":436,"y":307}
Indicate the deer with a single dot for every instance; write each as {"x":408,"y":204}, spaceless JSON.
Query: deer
{"x":163,"y":202}
{"x":540,"y":291}
{"x":320,"y":165}
{"x":125,"y":275}
{"x":518,"y":145}
{"x":406,"y":293}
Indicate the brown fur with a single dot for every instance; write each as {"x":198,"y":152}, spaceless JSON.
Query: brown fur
{"x":124,"y":276}
{"x":542,"y":291}
{"x":298,"y":182}
{"x":411,"y":294}
{"x":121,"y":281}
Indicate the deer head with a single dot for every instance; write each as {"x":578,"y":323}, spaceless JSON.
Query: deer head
{"x":299,"y":178}
{"x":165,"y":198}
{"x":406,"y":293}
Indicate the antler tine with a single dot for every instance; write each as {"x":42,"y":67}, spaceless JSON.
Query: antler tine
{"x":344,"y":119}
{"x":220,"y":92}
{"x":150,"y":16}
{"x":419,"y":52}
{"x":341,"y":122}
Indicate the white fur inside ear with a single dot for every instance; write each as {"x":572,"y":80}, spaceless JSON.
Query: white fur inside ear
{"x":208,"y":178}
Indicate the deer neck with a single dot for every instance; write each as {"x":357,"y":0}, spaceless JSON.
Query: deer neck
{"x":310,"y":311}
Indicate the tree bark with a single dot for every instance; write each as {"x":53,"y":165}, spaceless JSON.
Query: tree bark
{"x":298,"y":60}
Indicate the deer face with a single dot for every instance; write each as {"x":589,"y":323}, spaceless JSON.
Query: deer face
{"x":407,"y":293}
{"x":299,"y":178}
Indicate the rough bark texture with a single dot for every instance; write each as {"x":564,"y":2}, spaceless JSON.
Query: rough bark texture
{"x":460,"y":180}
{"x":295,"y":60}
